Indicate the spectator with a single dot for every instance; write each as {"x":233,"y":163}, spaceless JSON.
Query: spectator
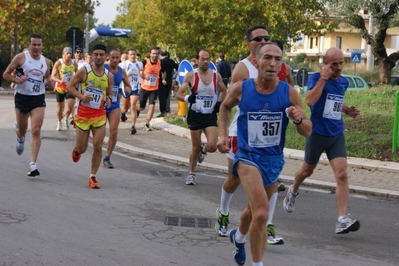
{"x":224,"y":69}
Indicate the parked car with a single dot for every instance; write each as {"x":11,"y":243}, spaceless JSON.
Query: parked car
{"x":394,"y":80}
{"x":356,"y":83}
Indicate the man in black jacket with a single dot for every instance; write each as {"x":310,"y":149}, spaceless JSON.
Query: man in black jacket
{"x":224,"y":69}
{"x":164,"y":90}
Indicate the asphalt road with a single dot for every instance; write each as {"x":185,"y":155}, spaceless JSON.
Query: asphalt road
{"x":55,"y":219}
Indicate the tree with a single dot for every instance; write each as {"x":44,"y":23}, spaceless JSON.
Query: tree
{"x":20,"y":18}
{"x":384,"y":14}
{"x":190,"y":25}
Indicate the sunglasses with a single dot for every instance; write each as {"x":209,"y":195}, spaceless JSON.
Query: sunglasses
{"x":78,"y":52}
{"x":259,"y":38}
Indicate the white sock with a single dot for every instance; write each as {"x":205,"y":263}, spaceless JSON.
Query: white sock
{"x":272,"y":207}
{"x":240,"y":238}
{"x":257,"y":263}
{"x":32,"y":163}
{"x":92,"y":175}
{"x":225,"y":201}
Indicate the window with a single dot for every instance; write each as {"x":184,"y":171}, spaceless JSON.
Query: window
{"x":351,"y":83}
{"x":359,"y":83}
{"x":316,"y":41}
{"x":339,"y":42}
{"x":311,"y":43}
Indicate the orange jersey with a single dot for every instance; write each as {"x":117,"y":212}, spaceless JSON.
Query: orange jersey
{"x":152,"y":70}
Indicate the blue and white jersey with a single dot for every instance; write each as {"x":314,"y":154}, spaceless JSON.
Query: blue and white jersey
{"x":326,"y":113}
{"x":262,"y":121}
{"x":133,"y":73}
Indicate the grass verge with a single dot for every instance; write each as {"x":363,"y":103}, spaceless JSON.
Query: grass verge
{"x":368,"y":136}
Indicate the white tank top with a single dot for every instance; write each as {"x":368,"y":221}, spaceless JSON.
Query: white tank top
{"x":253,"y":73}
{"x":35,"y":70}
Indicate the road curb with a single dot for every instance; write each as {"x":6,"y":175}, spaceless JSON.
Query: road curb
{"x":223,"y":169}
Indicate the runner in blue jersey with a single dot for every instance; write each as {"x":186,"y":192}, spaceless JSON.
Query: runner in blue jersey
{"x":325,"y":97}
{"x":266,"y":105}
{"x":113,"y":111}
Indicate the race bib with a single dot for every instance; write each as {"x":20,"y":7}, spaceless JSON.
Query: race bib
{"x":66,"y":78}
{"x":152,"y":80}
{"x":33,"y":85}
{"x":264,"y":129}
{"x":114,"y":96}
{"x":134,"y":78}
{"x":204,"y":104}
{"x":97,"y":96}
{"x":333,"y":106}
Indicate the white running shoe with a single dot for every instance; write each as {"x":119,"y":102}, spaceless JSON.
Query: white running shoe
{"x":289,"y":200}
{"x":190,"y":180}
{"x":65,"y":124}
{"x":59,"y":126}
{"x":346,"y":225}
{"x":33,"y":170}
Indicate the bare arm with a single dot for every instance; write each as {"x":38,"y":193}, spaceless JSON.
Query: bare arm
{"x":186,"y":82}
{"x":79,"y":77}
{"x":232,"y":99}
{"x":288,"y":78}
{"x":55,"y":73}
{"x":351,"y":111}
{"x":126,"y":82}
{"x":298,"y":114}
{"x":313,"y":95}
{"x":16,"y":62}
{"x":240,"y":73}
{"x":110,"y":84}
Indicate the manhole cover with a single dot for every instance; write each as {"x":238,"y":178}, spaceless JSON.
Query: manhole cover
{"x":188,"y":222}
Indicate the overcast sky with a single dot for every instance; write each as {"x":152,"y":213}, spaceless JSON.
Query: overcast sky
{"x":106,"y":12}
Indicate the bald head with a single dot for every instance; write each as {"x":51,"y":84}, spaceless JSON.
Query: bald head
{"x":334,"y":58}
{"x":332,"y":53}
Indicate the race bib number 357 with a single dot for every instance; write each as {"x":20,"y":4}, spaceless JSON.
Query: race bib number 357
{"x":265,"y":129}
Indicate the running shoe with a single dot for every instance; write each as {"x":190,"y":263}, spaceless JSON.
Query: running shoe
{"x":201,"y":155}
{"x":75,"y":155}
{"x":147,"y":127}
{"x":65,"y":123}
{"x":239,"y":249}
{"x":33,"y":170}
{"x":59,"y":126}
{"x":72,"y":122}
{"x":222,"y":222}
{"x":289,"y":200}
{"x":133,"y":130}
{"x":190,"y":180}
{"x":107,"y":164}
{"x":346,"y":225}
{"x":93,"y":183}
{"x":20,"y":146}
{"x":272,"y":237}
{"x":123,"y":117}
